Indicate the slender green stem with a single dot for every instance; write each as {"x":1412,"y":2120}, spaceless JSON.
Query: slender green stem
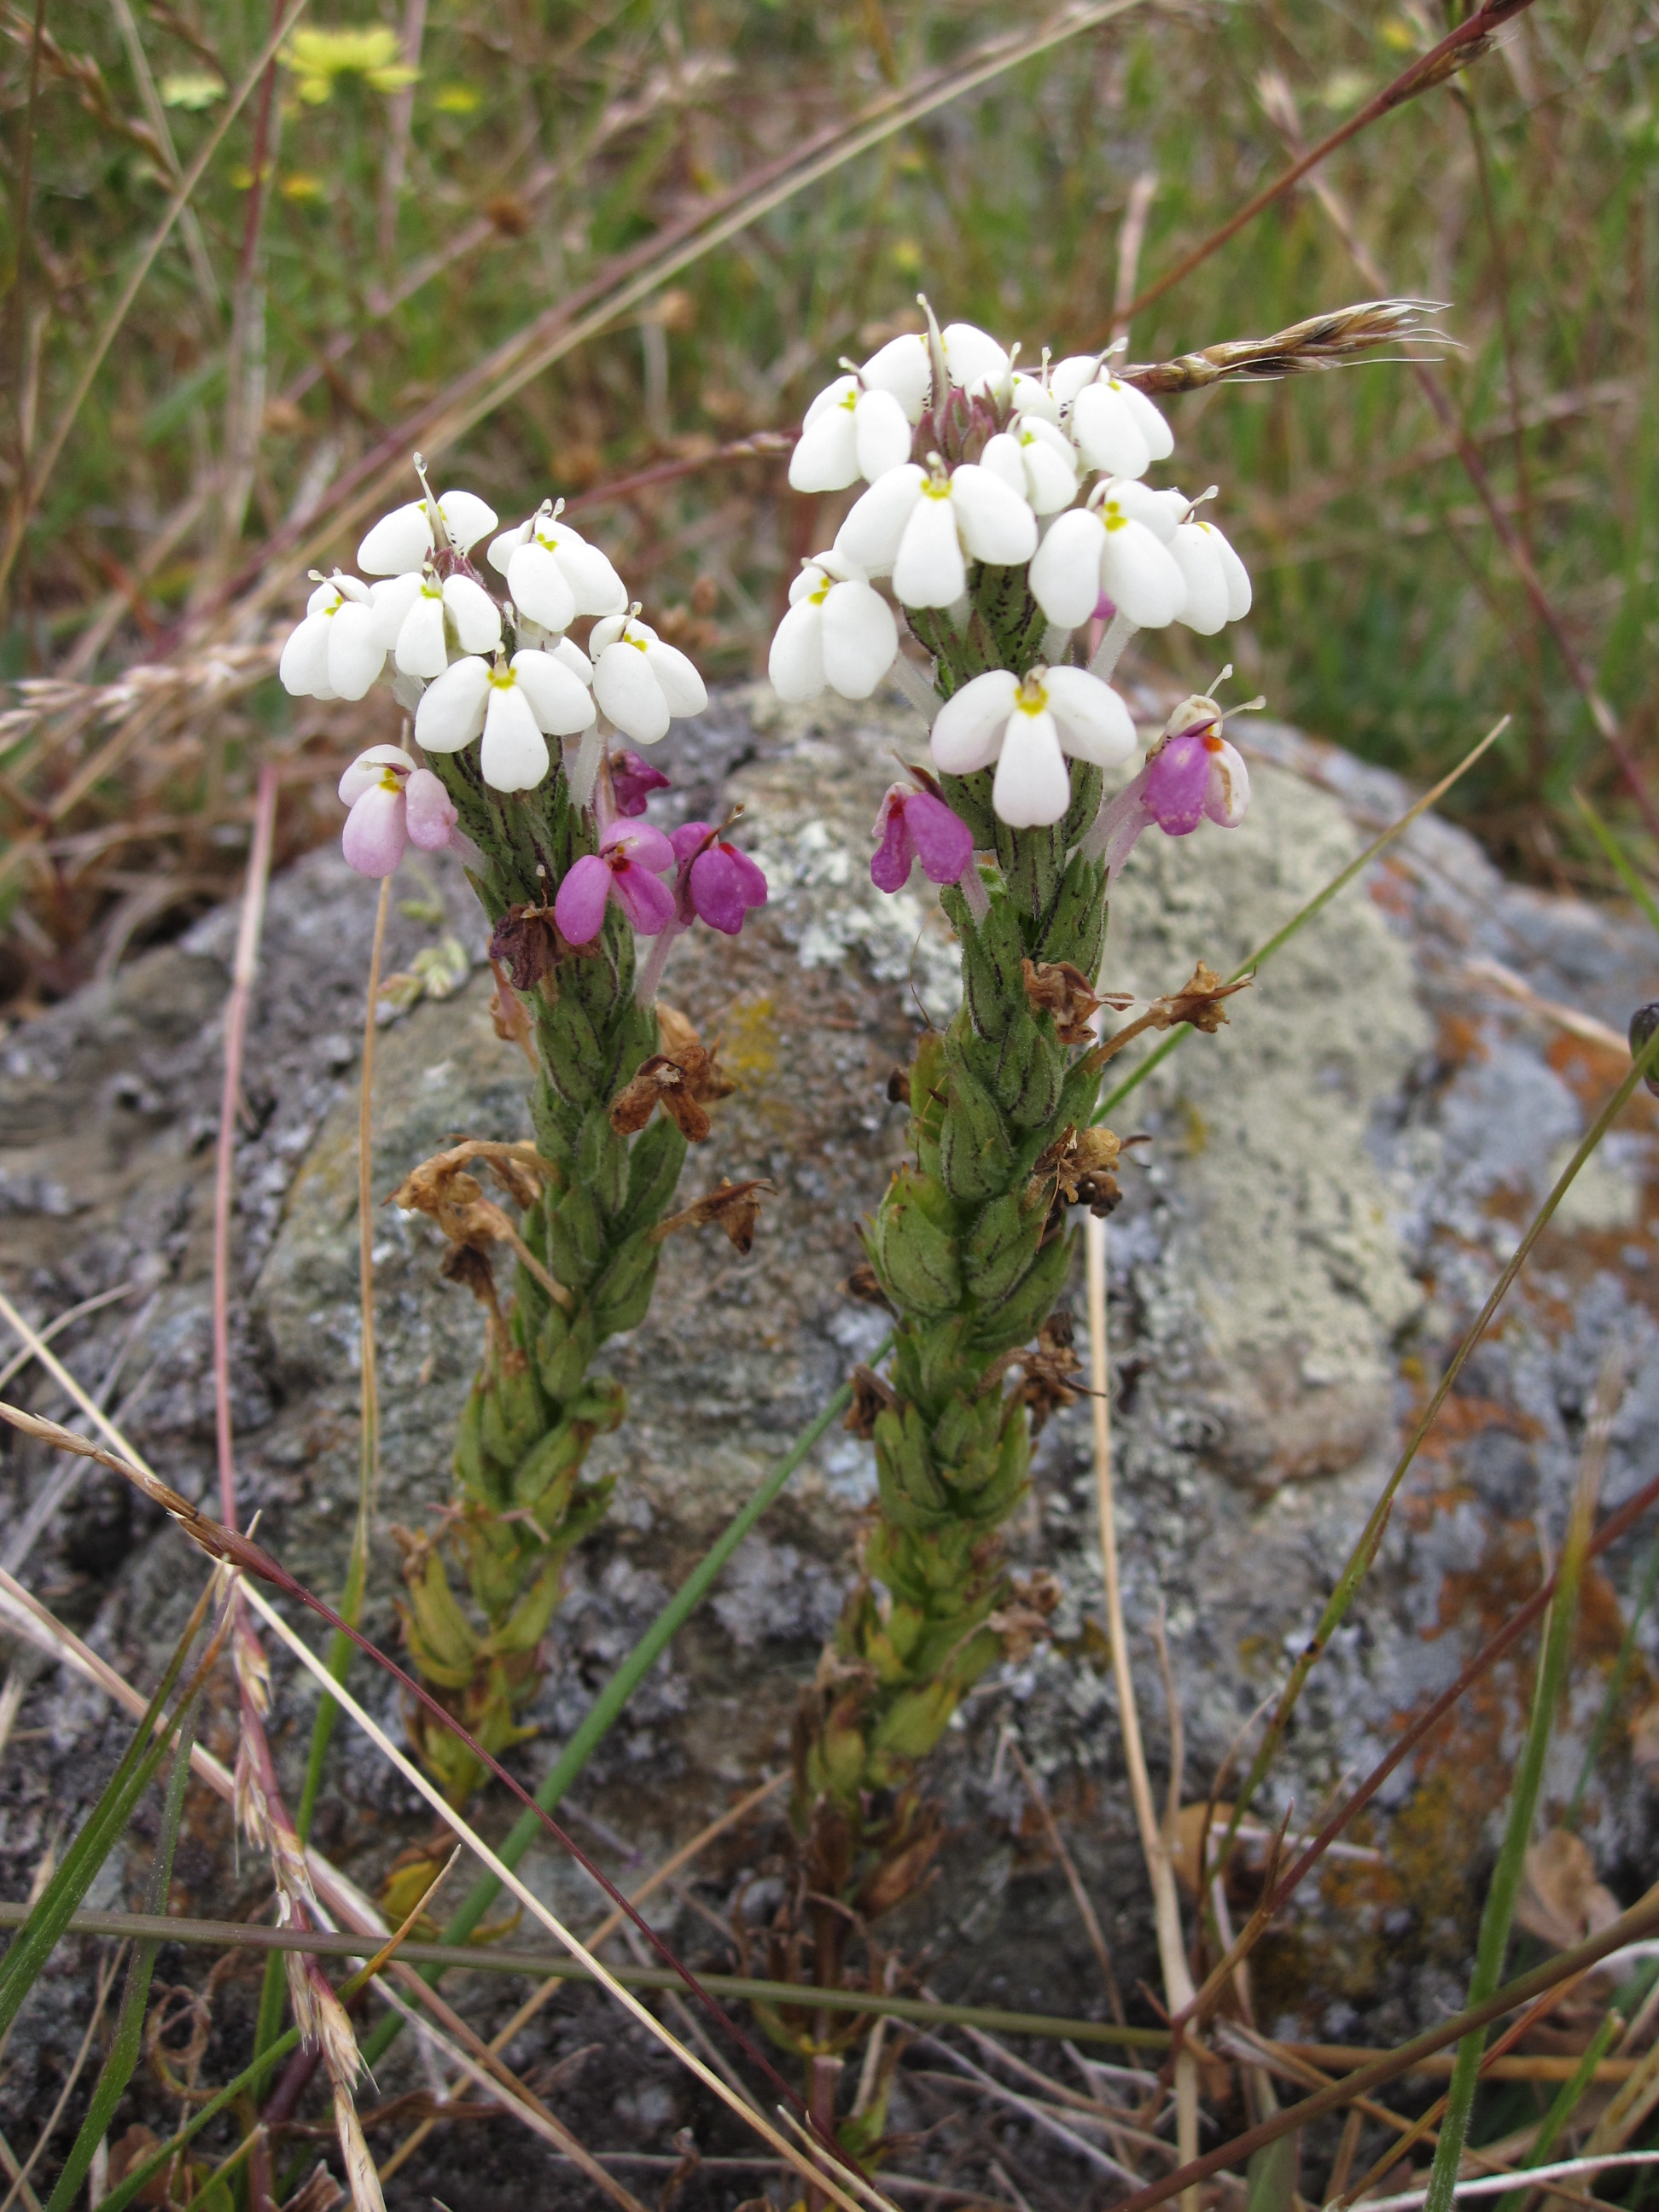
{"x":1565,"y":2104}
{"x":1603,"y":834}
{"x":1300,"y":919}
{"x":1497,"y":1914}
{"x":1615,"y":1690}
{"x":607,"y":1709}
{"x":123,"y":2050}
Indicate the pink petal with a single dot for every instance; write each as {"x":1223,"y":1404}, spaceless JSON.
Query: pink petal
{"x":432,"y":815}
{"x":640,"y":842}
{"x":1177,"y":782}
{"x":369,"y":768}
{"x":750,"y":876}
{"x":579,"y":908}
{"x":643,"y":897}
{"x":717,"y":891}
{"x":375,"y":834}
{"x":631,"y":782}
{"x":943,"y":841}
{"x":889,"y":870}
{"x":689,"y":839}
{"x":1118,"y":826}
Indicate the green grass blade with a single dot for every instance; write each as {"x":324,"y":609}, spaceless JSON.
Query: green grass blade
{"x":1300,"y":919}
{"x":1603,"y":834}
{"x":1497,"y":1914}
{"x":1370,"y":1537}
{"x":1565,"y":2104}
{"x":100,"y":1833}
{"x":607,"y":1708}
{"x":123,"y":2050}
{"x":250,"y":2078}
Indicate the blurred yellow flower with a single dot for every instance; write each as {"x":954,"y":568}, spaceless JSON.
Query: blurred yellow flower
{"x":457,"y":99}
{"x":906,"y":256}
{"x":320,"y":57}
{"x":190,"y":92}
{"x":302,"y":186}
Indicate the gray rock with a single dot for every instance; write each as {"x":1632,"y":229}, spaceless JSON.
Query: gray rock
{"x":1332,"y":1184}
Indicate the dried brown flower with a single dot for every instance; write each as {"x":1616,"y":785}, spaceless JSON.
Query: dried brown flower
{"x":1057,"y":988}
{"x":734,"y":1206}
{"x":508,"y":1015}
{"x":865,"y":1285}
{"x":870,"y":1396}
{"x":442,"y":1188}
{"x":1022,"y":1623}
{"x":1045,"y":1385}
{"x":1077,"y":1169}
{"x":1198,"y":1003}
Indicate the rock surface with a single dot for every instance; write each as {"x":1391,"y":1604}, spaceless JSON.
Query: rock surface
{"x":1332,"y":1186}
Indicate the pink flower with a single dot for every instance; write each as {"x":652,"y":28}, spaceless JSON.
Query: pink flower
{"x":913,"y":825}
{"x":1192,"y":774}
{"x":716,"y":882}
{"x":633,"y":780}
{"x":627,"y":867}
{"x":393,"y":804}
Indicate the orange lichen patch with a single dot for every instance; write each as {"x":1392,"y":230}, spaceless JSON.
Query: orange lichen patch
{"x":1393,"y":889}
{"x":1462,"y":1418}
{"x":1484,"y":1596}
{"x":1590,"y":1069}
{"x":1459,"y":1039}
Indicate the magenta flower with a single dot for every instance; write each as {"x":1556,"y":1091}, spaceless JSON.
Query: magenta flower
{"x":393,"y":804}
{"x":627,"y":867}
{"x":716,"y":883}
{"x":913,"y":825}
{"x":1193,"y":774}
{"x":633,"y":780}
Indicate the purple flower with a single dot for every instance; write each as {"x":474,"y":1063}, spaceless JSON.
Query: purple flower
{"x":628,"y":868}
{"x":393,"y":804}
{"x":716,"y":883}
{"x":914,"y":825}
{"x":632,"y":780}
{"x":1192,"y":774}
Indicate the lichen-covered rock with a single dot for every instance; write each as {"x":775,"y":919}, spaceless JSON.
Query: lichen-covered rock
{"x":1330,"y":1186}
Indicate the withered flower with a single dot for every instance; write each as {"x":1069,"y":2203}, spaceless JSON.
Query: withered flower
{"x":1079,"y":1165}
{"x":1057,"y":988}
{"x":1045,"y":1385}
{"x":865,"y":1285}
{"x":734,"y":1206}
{"x":684,"y":1080}
{"x":442,"y":1188}
{"x":1022,"y":1623}
{"x":870,"y":1396}
{"x":1198,"y":1003}
{"x":525,"y":942}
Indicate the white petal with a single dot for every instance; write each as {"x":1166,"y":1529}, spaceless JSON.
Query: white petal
{"x":353,"y":589}
{"x":1107,"y":435}
{"x":1050,"y":462}
{"x":1163,"y":512}
{"x":973,"y":358}
{"x":573,"y":658}
{"x":513,"y":756}
{"x":1239,"y":593}
{"x":1160,"y":438}
{"x":1032,"y":785}
{"x":392,"y":598}
{"x":559,"y":700}
{"x":599,"y":589}
{"x":874,"y":526}
{"x":627,"y":691}
{"x":1095,"y":725}
{"x":452,"y":711}
{"x":326,"y":597}
{"x":466,"y":518}
{"x":502,"y":549}
{"x":1004,"y":461}
{"x":421,"y":648}
{"x":1065,"y":571}
{"x":1068,"y":378}
{"x":901,"y":367}
{"x":1199,"y":563}
{"x":812,"y":579}
{"x":1139,"y":575}
{"x":540,"y":588}
{"x":1034,"y":400}
{"x":606,"y":633}
{"x":883,"y":432}
{"x":928,"y":570}
{"x":968,"y":730}
{"x":795,"y":663}
{"x":304,"y":663}
{"x":356,"y":655}
{"x":1229,"y":792}
{"x":837,"y":394}
{"x":476,"y":618}
{"x":826,"y":458}
{"x":365,"y":771}
{"x":682,"y":686}
{"x":996,"y":523}
{"x":399,"y":541}
{"x":860,"y":640}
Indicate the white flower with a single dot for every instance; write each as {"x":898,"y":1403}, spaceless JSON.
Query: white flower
{"x":852,"y":430}
{"x":1218,"y":583}
{"x":1037,"y":460}
{"x":639,"y":681}
{"x":973,"y":359}
{"x":924,"y":529}
{"x":334,"y":653}
{"x":1027,"y":729}
{"x":901,"y":367}
{"x":1113,"y":547}
{"x":1116,"y":429}
{"x":553,"y":573}
{"x":403,"y":540}
{"x":838,"y":631}
{"x":513,"y":703}
{"x":409,"y":614}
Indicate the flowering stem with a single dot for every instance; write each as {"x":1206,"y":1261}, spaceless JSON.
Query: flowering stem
{"x":971,"y":884}
{"x":1057,"y":644}
{"x":916,"y":687}
{"x":583,"y":773}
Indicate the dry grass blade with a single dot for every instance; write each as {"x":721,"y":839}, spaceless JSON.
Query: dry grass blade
{"x":1333,"y":340}
{"x":1494,"y":2184}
